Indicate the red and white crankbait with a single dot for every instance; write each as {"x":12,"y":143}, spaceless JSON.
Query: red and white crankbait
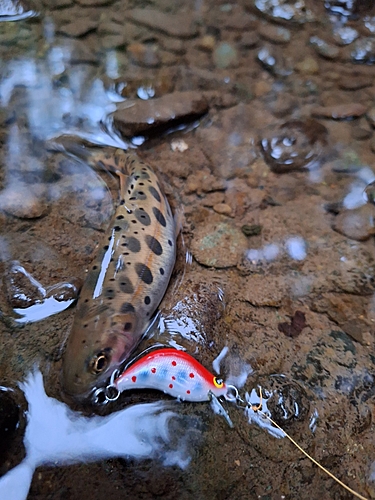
{"x":172,"y":371}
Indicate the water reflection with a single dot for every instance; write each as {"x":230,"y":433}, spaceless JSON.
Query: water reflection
{"x":55,"y":435}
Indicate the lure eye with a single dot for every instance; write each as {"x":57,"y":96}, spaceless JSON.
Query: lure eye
{"x":99,"y":362}
{"x":218,"y":382}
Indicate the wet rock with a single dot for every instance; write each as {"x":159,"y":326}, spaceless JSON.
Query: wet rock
{"x":218,"y":244}
{"x":340,"y":111}
{"x":361,"y":133}
{"x":357,"y":224}
{"x":294,"y":145}
{"x":81,"y":53}
{"x":345,"y":35}
{"x":273,"y":60}
{"x":324,"y":49}
{"x":9,"y":417}
{"x":225,"y":56}
{"x":284,"y":105}
{"x":249,"y":40}
{"x":144,"y":54}
{"x":370,"y":115}
{"x":239,"y":21}
{"x":207,"y":43}
{"x":94,"y":3}
{"x":284,"y":10}
{"x":23,"y":202}
{"x":145,"y":117}
{"x":364,"y":51}
{"x":275,"y":34}
{"x":355,"y":81}
{"x":57,"y":4}
{"x":112,"y":41}
{"x":328,"y":359}
{"x":174,"y":45}
{"x":263,"y":291}
{"x":78,"y":27}
{"x":307,"y":66}
{"x":222,"y":208}
{"x":15,"y":10}
{"x":177,"y":25}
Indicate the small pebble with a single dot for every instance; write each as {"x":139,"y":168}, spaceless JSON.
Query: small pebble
{"x":307,"y":66}
{"x":340,"y":111}
{"x":179,"y":145}
{"x":356,"y":224}
{"x":225,"y":56}
{"x":324,"y":49}
{"x":251,"y":229}
{"x":222,"y":208}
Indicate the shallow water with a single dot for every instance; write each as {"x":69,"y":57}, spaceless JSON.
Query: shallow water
{"x":259,"y":117}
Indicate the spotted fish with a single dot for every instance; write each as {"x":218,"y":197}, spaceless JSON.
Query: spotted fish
{"x":126,"y":281}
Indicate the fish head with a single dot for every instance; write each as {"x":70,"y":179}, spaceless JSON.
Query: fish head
{"x":95,"y":350}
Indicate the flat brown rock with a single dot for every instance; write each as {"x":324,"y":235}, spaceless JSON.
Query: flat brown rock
{"x":78,"y":27}
{"x":340,"y":111}
{"x":179,"y":25}
{"x":141,"y":117}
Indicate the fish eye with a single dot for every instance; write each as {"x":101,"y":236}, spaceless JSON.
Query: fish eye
{"x":99,"y":362}
{"x":218,"y":382}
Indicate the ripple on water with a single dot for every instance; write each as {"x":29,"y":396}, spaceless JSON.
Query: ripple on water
{"x":294,"y":145}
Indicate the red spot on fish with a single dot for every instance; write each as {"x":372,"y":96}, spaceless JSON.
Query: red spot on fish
{"x":173,"y":377}
{"x":134,"y":378}
{"x":174,"y":363}
{"x":188,"y":392}
{"x":191,"y":375}
{"x":170,"y":386}
{"x":153,"y":370}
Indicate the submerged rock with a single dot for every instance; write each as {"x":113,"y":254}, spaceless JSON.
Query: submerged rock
{"x":294,"y":145}
{"x":364,"y":51}
{"x":178,"y":25}
{"x":145,"y":117}
{"x":225,"y":56}
{"x":218,"y":244}
{"x":340,"y":111}
{"x":357,"y":224}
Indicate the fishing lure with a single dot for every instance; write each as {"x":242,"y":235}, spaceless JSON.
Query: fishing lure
{"x":172,"y":371}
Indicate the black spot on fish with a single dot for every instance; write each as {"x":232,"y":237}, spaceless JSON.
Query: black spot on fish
{"x":162,"y":271}
{"x":159,"y":216}
{"x":105,"y":247}
{"x":155,"y":193}
{"x":117,"y":228}
{"x":133,"y":244}
{"x":122,"y":202}
{"x":126,"y":286}
{"x":147,"y":300}
{"x":140,"y":195}
{"x":144,"y":273}
{"x":143,"y":217}
{"x":154,"y":245}
{"x":128,"y":326}
{"x":94,"y":268}
{"x":127,"y":308}
{"x":109,"y":293}
{"x":170,"y":243}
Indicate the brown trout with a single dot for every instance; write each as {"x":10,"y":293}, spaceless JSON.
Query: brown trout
{"x":126,"y":281}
